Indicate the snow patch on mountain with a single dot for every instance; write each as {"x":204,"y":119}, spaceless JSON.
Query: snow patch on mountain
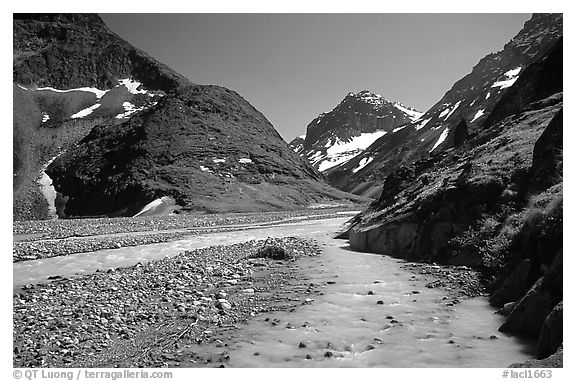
{"x":412,"y":114}
{"x":97,"y":92}
{"x":341,"y":151}
{"x":45,"y":117}
{"x":129,"y":109}
{"x":477,"y":115}
{"x":422,"y":124}
{"x":156,"y":207}
{"x":509,"y":78}
{"x":133,"y":86}
{"x":440,"y":139}
{"x":245,"y":161}
{"x":87,"y":111}
{"x":364,"y":162}
{"x":47,"y":188}
{"x":449,"y":111}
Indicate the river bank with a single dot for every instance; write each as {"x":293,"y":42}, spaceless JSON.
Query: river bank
{"x":202,"y":306}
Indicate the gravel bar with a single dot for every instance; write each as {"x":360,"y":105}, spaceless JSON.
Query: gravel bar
{"x":65,"y":228}
{"x":119,"y":235}
{"x":145,"y":315}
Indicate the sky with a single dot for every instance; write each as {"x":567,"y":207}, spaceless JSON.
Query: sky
{"x":292,"y":67}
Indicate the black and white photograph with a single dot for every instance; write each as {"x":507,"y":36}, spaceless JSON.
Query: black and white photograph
{"x":286,"y":190}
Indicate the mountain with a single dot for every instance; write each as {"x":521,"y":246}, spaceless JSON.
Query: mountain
{"x":492,"y":197}
{"x":112,"y":130}
{"x":70,"y":73}
{"x":197,"y":146}
{"x":361,"y":118}
{"x":470,"y":100}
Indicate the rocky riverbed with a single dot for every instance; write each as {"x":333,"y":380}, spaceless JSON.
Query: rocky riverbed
{"x":65,"y":228}
{"x":146,"y":314}
{"x":459,"y":281}
{"x":23,"y":251}
{"x":44,"y":239}
{"x":188,"y":310}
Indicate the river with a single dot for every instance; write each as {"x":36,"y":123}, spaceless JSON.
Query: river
{"x":372,"y":313}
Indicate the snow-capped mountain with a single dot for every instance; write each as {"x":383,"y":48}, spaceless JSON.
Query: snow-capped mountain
{"x":360,"y":119}
{"x":470,"y":100}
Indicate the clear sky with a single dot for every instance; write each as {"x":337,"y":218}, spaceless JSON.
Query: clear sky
{"x":292,"y":67}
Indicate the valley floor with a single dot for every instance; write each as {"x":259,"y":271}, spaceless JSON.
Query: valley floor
{"x":49,"y":238}
{"x":193,"y":309}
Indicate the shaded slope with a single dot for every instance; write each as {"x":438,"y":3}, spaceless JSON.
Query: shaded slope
{"x":53,"y":55}
{"x":205,"y":146}
{"x":75,"y":50}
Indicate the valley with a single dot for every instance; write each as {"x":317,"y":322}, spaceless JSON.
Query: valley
{"x":123,"y":307}
{"x":160,"y":222}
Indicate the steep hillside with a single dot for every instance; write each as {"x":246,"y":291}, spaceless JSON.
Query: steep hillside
{"x":337,"y":136}
{"x":467,"y":104}
{"x":493,"y":202}
{"x":198,"y":147}
{"x":71,"y":73}
{"x":77,"y":50}
{"x":75,"y":80}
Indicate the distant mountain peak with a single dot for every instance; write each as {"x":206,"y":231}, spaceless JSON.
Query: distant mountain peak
{"x":471,"y":99}
{"x":353,"y":125}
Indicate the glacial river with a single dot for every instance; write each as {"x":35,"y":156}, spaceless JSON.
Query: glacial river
{"x":400,"y":323}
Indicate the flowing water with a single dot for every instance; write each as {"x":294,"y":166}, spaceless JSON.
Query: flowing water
{"x":37,"y":271}
{"x":403,"y":324}
{"x":413,"y":327}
